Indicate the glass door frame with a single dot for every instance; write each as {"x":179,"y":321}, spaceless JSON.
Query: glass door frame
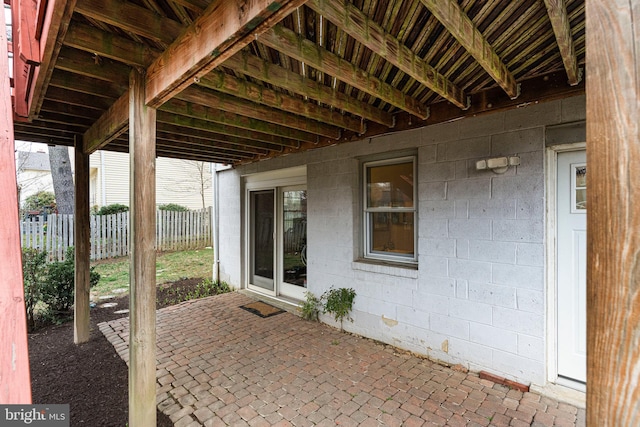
{"x":284,"y":288}
{"x":277,"y":181}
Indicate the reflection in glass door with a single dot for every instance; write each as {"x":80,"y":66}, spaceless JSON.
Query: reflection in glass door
{"x":294,"y":242}
{"x":262,"y":238}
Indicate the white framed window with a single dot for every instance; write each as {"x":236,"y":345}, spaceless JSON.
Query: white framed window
{"x":389,"y":223}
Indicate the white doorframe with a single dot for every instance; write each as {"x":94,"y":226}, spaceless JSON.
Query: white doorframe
{"x":551,"y":180}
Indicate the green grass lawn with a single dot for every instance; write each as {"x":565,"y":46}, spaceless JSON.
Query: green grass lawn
{"x":170,"y":266}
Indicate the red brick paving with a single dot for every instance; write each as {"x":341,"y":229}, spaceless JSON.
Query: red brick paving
{"x":220,"y":365}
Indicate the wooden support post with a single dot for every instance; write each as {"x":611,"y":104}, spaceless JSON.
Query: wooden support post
{"x":81,"y":231}
{"x":613,"y":219}
{"x":15,"y":385}
{"x":142,"y":334}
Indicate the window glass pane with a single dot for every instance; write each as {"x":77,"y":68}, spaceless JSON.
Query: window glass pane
{"x":391,"y":233}
{"x":294,"y":240}
{"x":390,"y":185}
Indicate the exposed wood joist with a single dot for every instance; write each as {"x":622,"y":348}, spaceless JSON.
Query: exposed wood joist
{"x":449,"y":13}
{"x":257,"y":68}
{"x":242,"y":107}
{"x":354,"y":22}
{"x":557,"y":10}
{"x":220,"y":31}
{"x":86,"y":85}
{"x":113,"y":123}
{"x":183,"y":108}
{"x":85,"y":64}
{"x":210,"y":144}
{"x":249,"y":91}
{"x":56,"y":22}
{"x":301,"y":49}
{"x":78,"y":98}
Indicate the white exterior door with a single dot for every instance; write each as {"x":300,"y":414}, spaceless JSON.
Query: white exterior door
{"x":571,"y":265}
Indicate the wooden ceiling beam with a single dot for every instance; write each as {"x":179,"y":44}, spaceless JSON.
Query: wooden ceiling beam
{"x":209,"y":135}
{"x":70,"y":110}
{"x":365,"y":30}
{"x":86,"y":85}
{"x":108,"y":45}
{"x":85,"y":64}
{"x":113,"y":123}
{"x":71,"y":97}
{"x":303,"y":50}
{"x":557,"y":11}
{"x":210,"y":145}
{"x":249,"y":91}
{"x":456,"y":21}
{"x":182,"y":146}
{"x":220,"y":31}
{"x":245,"y":108}
{"x":130,"y":17}
{"x":257,"y":68}
{"x":202,"y":112}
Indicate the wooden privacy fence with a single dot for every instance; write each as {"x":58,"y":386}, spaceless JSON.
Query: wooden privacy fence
{"x":110,"y":233}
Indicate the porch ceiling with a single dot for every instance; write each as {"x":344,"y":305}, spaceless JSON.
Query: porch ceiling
{"x":332,"y":71}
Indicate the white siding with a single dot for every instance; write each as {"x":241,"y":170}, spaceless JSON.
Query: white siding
{"x":477,"y":296}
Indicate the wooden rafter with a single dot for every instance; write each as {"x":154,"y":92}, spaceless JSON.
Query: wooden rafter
{"x":231,"y":104}
{"x":257,"y":68}
{"x":113,"y":123}
{"x":449,"y":13}
{"x":249,"y":91}
{"x":85,"y":64}
{"x":301,"y":49}
{"x":354,"y":22}
{"x":221,"y":30}
{"x":557,"y":11}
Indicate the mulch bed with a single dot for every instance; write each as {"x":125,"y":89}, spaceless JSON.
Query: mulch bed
{"x":90,"y":377}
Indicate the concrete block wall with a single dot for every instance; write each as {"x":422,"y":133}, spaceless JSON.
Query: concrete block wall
{"x":477,"y":296}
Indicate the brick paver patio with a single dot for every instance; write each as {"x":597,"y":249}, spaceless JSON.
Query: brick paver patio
{"x":221,"y":365}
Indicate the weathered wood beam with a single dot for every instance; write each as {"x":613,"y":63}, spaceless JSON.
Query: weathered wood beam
{"x":170,"y":144}
{"x":142,"y":338}
{"x":133,"y":18}
{"x":108,"y":45}
{"x":192,"y":141}
{"x":449,"y":13}
{"x":257,"y":68}
{"x":226,"y":83}
{"x":301,"y":49}
{"x":183,"y":108}
{"x":231,"y":104}
{"x":70,"y":110}
{"x":86,"y":85}
{"x":221,"y":30}
{"x":557,"y":11}
{"x":85,"y":64}
{"x":365,"y":30}
{"x":76,"y":98}
{"x":15,"y":384}
{"x":109,"y":126}
{"x":82,"y":245}
{"x":613,"y":223}
{"x":56,"y":22}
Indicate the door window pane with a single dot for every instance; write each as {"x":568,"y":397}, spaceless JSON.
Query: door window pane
{"x":294,"y":239}
{"x":262,"y":218}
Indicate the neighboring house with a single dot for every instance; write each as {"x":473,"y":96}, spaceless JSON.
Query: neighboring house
{"x":448,"y":261}
{"x":33,"y":173}
{"x":184,"y":182}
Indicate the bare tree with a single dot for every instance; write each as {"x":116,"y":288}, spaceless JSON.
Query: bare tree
{"x":199,"y":179}
{"x":62,"y":178}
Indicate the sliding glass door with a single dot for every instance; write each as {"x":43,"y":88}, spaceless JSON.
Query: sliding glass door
{"x":262,"y":204}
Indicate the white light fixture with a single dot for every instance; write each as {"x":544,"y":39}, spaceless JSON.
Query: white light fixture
{"x":498,"y":164}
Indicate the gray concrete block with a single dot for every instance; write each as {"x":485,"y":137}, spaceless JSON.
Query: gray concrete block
{"x":438,"y":208}
{"x":519,"y":276}
{"x":518,"y":187}
{"x":427,"y":154}
{"x":432,"y":303}
{"x":441,"y":171}
{"x":437,"y":247}
{"x":450,"y":326}
{"x":471,"y":148}
{"x":434,"y":266}
{"x":474,"y":311}
{"x":530,"y":254}
{"x":574,"y":108}
{"x":492,"y":208}
{"x":475,"y":228}
{"x":473,"y":271}
{"x":503,"y":296}
{"x":432,"y":191}
{"x":462,"y":248}
{"x":519,"y":321}
{"x":494,"y":337}
{"x":469,"y":189}
{"x":530,"y":300}
{"x":432,"y":228}
{"x":534,"y":114}
{"x":517,"y":142}
{"x":530,"y":208}
{"x":518,"y":230}
{"x":492,"y":251}
{"x":433,"y":285}
{"x":462,"y":289}
{"x":471,"y":127}
{"x":462,"y":209}
{"x":440,"y":133}
{"x":530,"y":163}
{"x":531,"y":347}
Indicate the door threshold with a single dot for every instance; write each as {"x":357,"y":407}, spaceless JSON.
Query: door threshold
{"x":561,"y":392}
{"x":284,"y":303}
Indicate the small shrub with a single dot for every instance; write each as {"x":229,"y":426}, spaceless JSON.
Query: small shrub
{"x":173,"y":207}
{"x":206,"y":288}
{"x":339,"y":303}
{"x":58,"y":289}
{"x":112,"y":209}
{"x":311,"y":307}
{"x":34,"y":264}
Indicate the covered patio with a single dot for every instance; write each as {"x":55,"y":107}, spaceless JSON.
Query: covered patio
{"x":221,"y":365}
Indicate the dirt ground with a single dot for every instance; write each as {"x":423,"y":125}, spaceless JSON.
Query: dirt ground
{"x":90,"y":377}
